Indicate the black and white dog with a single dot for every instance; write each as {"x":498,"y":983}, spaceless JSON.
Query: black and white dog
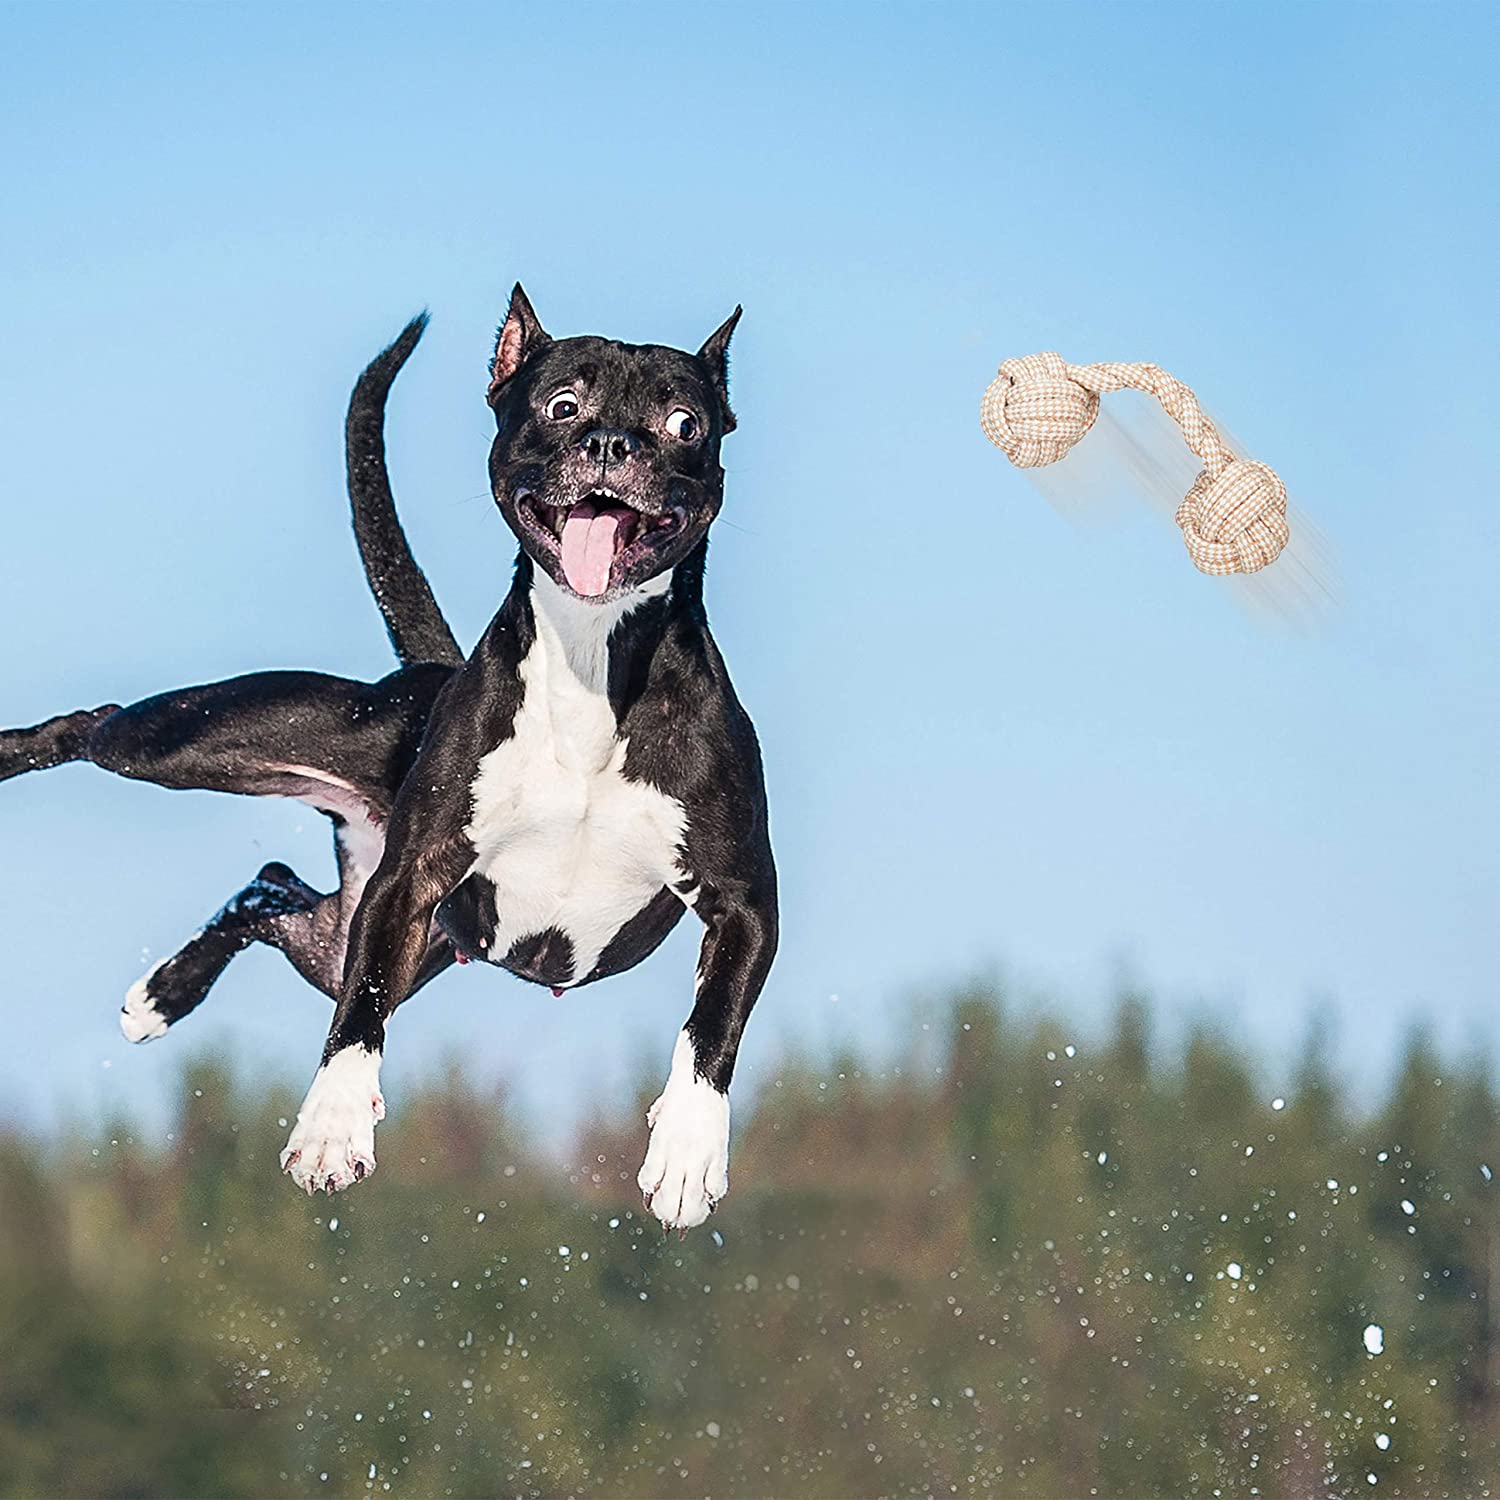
{"x":552,"y":805}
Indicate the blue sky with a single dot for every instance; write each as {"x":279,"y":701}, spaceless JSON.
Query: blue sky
{"x":993,"y":741}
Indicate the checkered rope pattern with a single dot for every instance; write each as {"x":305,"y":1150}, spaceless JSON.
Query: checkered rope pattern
{"x":1233,"y":519}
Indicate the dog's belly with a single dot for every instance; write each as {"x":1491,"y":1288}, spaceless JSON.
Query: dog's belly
{"x":573,"y":870}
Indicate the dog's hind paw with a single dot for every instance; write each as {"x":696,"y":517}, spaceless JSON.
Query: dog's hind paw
{"x":686,"y":1171}
{"x":140,"y":1019}
{"x":333,"y":1142}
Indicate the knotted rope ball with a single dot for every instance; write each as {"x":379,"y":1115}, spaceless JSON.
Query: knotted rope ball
{"x":1233,"y":519}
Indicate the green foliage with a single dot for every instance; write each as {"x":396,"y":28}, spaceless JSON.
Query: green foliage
{"x":1009,"y":1265}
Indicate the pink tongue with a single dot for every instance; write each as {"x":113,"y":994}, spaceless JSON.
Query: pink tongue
{"x":588,"y":549}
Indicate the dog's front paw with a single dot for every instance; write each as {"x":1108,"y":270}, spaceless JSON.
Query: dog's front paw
{"x":686,"y":1171}
{"x":333,"y":1142}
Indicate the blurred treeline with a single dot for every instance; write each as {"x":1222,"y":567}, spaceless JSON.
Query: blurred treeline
{"x":1008,"y":1266}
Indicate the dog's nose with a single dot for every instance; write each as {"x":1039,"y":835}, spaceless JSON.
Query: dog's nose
{"x":607,"y":445}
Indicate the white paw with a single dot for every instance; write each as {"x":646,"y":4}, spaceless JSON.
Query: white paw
{"x":139,"y":1018}
{"x":333,"y":1142}
{"x":686,"y":1171}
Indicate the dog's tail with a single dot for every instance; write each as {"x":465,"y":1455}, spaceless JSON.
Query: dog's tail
{"x":413,"y":620}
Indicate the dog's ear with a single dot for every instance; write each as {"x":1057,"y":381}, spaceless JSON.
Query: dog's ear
{"x":715,"y":354}
{"x":520,"y":336}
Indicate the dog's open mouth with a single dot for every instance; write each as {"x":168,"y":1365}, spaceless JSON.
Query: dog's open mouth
{"x":598,"y":537}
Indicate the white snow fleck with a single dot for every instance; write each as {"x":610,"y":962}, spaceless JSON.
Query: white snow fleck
{"x":563,"y":1251}
{"x":1333,"y":1184}
{"x":1374,"y":1338}
{"x":1407,"y":1206}
{"x":1487,"y":1173}
{"x":1382,"y":1440}
{"x":333,"y":1225}
{"x":1235,"y":1270}
{"x":712,"y":1429}
{"x":1278,"y":1103}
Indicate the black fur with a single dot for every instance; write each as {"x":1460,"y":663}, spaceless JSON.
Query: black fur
{"x":397,"y":760}
{"x":413,"y":620}
{"x":688,"y":735}
{"x":240,"y":735}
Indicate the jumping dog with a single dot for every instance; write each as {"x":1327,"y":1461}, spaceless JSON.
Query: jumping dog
{"x":552,"y":804}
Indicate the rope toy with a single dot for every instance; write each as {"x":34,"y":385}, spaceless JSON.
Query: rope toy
{"x":1233,"y":518}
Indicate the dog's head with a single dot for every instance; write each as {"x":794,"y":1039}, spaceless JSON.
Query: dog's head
{"x":606,"y":459}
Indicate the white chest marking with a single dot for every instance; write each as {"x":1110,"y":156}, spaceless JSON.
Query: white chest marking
{"x":566,"y":839}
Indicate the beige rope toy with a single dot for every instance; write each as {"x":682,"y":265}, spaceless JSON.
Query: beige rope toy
{"x":1234,"y":516}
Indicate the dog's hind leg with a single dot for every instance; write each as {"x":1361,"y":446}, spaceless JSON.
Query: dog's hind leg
{"x":277,"y":734}
{"x":277,"y":907}
{"x":340,"y":746}
{"x":54,"y":743}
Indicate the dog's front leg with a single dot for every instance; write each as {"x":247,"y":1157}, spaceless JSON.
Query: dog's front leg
{"x":686,"y":1171}
{"x":333,"y":1143}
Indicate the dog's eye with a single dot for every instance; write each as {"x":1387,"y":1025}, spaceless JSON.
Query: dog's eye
{"x":682,"y":424}
{"x":562,"y":406}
